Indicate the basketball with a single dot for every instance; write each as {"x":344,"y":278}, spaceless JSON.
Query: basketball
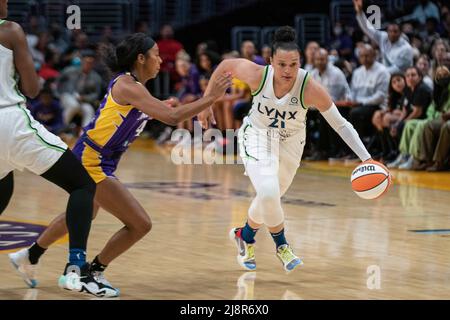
{"x":370,"y":180}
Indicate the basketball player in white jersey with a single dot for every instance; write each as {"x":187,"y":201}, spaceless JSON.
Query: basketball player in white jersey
{"x":272,"y":138}
{"x":26,"y":144}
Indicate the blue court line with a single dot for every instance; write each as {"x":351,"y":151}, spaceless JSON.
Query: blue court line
{"x":432,"y":231}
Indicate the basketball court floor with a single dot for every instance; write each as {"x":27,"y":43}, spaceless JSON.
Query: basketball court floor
{"x":396,"y":247}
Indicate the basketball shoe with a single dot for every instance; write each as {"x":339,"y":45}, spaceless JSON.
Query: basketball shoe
{"x":288,"y":258}
{"x":246,"y":251}
{"x":83,"y":280}
{"x":21,"y":262}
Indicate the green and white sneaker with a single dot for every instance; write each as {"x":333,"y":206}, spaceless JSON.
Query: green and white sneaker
{"x":246,"y":251}
{"x":288,"y":258}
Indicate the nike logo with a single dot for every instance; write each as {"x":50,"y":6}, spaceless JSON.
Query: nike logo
{"x":242,"y":248}
{"x":265,"y":97}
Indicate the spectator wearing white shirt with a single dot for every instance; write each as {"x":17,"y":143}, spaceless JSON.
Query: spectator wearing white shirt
{"x":333,"y":79}
{"x":396,"y":51}
{"x":369,"y":87}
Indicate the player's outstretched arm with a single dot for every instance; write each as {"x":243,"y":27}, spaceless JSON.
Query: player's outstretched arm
{"x":317,"y":96}
{"x":128,"y":91}
{"x":29,"y":80}
{"x":242,"y":69}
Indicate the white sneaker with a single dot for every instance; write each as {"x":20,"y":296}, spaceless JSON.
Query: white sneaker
{"x":398,"y":161}
{"x":288,"y":258}
{"x":82,"y":280}
{"x":246,"y":251}
{"x":20,"y":260}
{"x":408,"y":164}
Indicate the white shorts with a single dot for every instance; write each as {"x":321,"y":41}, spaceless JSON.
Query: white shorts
{"x":272,"y":154}
{"x":25,"y":143}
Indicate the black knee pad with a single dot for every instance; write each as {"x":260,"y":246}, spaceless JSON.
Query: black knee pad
{"x":6,"y":191}
{"x":69,"y":174}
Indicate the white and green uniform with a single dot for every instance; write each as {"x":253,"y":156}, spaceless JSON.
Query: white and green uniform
{"x":24,"y":143}
{"x":271,"y":142}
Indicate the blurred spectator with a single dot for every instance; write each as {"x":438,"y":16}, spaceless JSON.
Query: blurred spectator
{"x":207,"y":62}
{"x":142,"y":27}
{"x":383,"y":120}
{"x":425,"y":9}
{"x":168,"y":49}
{"x":310,"y":50}
{"x":79,"y":89}
{"x":266,"y":53}
{"x":48,"y":70}
{"x":47,"y":111}
{"x":423,"y":64}
{"x":341,"y":41}
{"x":330,"y":77}
{"x":369,"y":88}
{"x":248,"y":51}
{"x":435,"y":142}
{"x":188,"y":89}
{"x":333,"y":79}
{"x":441,"y":55}
{"x":418,"y":97}
{"x":396,"y":51}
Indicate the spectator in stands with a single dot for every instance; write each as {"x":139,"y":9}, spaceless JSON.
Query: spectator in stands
{"x":59,"y":39}
{"x":333,"y":79}
{"x":79,"y":89}
{"x":188,"y":89}
{"x":248,"y":51}
{"x":369,"y":88}
{"x":142,"y":27}
{"x":81,"y":41}
{"x":168,"y":49}
{"x":266,"y":53}
{"x":207,"y":62}
{"x":418,"y":97}
{"x":415,"y":152}
{"x":48,"y":70}
{"x":396,"y":51}
{"x":423,"y":64}
{"x":441,"y":55}
{"x":47,"y":111}
{"x":341,"y":41}
{"x":435,"y":142}
{"x":383,"y":120}
{"x":310,"y":50}
{"x":424,"y":10}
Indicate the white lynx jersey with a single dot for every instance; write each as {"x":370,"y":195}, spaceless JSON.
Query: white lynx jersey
{"x":287,"y":114}
{"x":9,"y":80}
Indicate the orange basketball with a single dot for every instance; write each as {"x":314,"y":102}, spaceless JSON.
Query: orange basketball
{"x":370,"y":180}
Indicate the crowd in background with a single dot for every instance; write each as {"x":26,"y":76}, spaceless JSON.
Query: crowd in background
{"x":392,"y":85}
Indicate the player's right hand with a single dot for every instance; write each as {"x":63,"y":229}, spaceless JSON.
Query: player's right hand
{"x":358,"y":4}
{"x":220,"y":85}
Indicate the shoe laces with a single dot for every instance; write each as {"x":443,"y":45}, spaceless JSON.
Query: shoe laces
{"x":250,"y":251}
{"x":286,"y":253}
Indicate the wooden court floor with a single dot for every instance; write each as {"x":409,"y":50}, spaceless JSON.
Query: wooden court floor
{"x":397,"y":247}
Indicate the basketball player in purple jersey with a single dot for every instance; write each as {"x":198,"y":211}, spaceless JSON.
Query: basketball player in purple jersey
{"x":121,"y":117}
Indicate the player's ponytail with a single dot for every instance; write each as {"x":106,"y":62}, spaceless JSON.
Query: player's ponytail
{"x":284,"y":39}
{"x":123,"y":57}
